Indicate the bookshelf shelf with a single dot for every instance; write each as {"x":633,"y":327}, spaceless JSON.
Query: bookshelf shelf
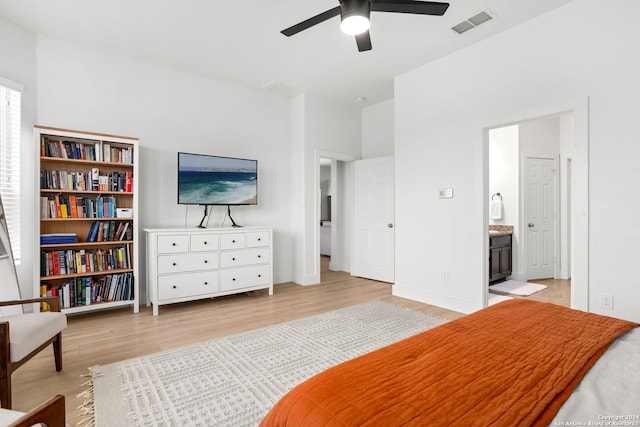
{"x":87,"y":274}
{"x":85,"y":244}
{"x":86,"y":199}
{"x":106,"y":193}
{"x":96,"y":306}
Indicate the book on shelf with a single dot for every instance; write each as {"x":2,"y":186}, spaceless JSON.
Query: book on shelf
{"x":56,"y":202}
{"x":93,"y":231}
{"x":44,"y":306}
{"x":58,"y":238}
{"x":95,"y":179}
{"x":73,"y":206}
{"x":123,"y":232}
{"x":100,"y":235}
{"x":128,"y":186}
{"x":44,"y":207}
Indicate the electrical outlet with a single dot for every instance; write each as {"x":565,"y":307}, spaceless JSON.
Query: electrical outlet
{"x":445,"y":276}
{"x":606,"y":301}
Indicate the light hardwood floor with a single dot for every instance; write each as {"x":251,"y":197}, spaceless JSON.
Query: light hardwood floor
{"x":110,"y":336}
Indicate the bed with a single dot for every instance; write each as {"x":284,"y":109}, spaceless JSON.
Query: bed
{"x":519,"y":362}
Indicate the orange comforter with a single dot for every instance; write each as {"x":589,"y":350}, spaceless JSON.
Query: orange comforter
{"x":512,"y":364}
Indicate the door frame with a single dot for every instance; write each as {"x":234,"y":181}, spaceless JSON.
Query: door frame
{"x":579,"y":185}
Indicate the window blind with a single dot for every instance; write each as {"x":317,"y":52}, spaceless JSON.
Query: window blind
{"x":10,"y":162}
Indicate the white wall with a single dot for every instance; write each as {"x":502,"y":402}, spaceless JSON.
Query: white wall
{"x":504,"y":178}
{"x":504,"y":172}
{"x":378,"y":130}
{"x":575,"y":51}
{"x":540,"y":137}
{"x":171,"y":111}
{"x":18,"y":64}
{"x":320,"y":129}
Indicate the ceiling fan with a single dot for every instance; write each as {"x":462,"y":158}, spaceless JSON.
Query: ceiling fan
{"x":354,"y":16}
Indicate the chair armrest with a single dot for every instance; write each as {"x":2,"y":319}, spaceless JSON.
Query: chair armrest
{"x":52,"y":301}
{"x":51,"y":413}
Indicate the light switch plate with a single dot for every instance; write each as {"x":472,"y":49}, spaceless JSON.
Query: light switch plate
{"x":446,"y":193}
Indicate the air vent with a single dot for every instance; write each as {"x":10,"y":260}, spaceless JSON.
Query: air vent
{"x":480,"y":18}
{"x":462,"y":27}
{"x":474,"y":21}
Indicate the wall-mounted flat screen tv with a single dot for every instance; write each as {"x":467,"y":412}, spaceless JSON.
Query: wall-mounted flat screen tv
{"x":215,"y":180}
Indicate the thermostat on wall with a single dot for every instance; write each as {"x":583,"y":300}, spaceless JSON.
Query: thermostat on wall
{"x":446,"y":193}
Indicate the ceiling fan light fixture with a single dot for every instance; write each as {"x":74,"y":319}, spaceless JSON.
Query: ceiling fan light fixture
{"x":354,"y":16}
{"x":355,"y":24}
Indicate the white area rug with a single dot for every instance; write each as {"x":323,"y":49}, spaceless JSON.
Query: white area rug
{"x":514,"y":287}
{"x":494,"y":299}
{"x":234,"y":381}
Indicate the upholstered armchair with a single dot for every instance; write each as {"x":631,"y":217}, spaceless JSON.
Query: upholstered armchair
{"x":24,"y":335}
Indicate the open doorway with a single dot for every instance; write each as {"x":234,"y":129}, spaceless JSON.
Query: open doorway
{"x":338,"y":230}
{"x":529,"y":192}
{"x":326,"y":196}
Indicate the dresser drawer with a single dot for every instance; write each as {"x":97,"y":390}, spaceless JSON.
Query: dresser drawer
{"x":205,"y":242}
{"x":246,"y":277}
{"x":245,"y":257}
{"x":187,"y":285}
{"x":187,"y":262}
{"x":173,"y":244}
{"x":257,"y":239}
{"x":232,"y":241}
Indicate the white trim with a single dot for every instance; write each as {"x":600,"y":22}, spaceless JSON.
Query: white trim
{"x":18,"y":87}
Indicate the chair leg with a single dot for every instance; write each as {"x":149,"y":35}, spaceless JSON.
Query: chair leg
{"x":5,"y":389}
{"x":5,"y":368}
{"x":57,"y":352}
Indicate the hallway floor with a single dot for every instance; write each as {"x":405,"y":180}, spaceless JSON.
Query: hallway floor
{"x":558,"y":292}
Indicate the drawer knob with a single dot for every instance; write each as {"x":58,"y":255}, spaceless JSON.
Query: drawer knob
{"x":205,"y":243}
{"x":259,"y":239}
{"x":174,"y":264}
{"x":173,"y":244}
{"x":174,"y":286}
{"x":259,"y":256}
{"x":233,"y":280}
{"x":233,"y":259}
{"x":233,"y":241}
{"x":206,"y":283}
{"x":259,"y":275}
{"x":205,"y":261}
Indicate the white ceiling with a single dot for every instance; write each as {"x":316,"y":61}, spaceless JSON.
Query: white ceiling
{"x":239,"y":41}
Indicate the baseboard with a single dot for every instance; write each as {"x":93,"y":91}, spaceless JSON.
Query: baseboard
{"x":455,"y":304}
{"x":336,"y":266}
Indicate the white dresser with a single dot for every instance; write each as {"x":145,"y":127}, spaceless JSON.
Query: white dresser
{"x":190,"y":264}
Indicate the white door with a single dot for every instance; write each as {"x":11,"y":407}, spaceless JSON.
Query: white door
{"x":540,"y":218}
{"x":374,"y":219}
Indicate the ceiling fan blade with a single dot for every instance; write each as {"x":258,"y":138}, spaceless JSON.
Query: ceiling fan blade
{"x":410,"y":6}
{"x":364,"y":41}
{"x":295,"y":29}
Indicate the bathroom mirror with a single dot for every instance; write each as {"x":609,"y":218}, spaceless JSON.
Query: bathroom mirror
{"x":9,"y":289}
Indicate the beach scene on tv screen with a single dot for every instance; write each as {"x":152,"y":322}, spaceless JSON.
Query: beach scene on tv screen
{"x":217,"y":180}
